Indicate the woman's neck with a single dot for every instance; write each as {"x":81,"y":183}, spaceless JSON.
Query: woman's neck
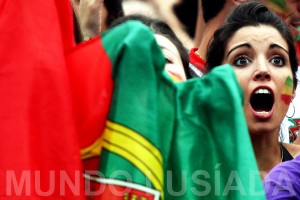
{"x":267,"y":151}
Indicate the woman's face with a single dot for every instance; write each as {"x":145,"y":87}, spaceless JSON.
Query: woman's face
{"x":174,"y":65}
{"x":261,"y":62}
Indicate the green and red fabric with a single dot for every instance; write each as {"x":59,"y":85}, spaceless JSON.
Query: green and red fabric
{"x":279,"y":6}
{"x":171,"y":141}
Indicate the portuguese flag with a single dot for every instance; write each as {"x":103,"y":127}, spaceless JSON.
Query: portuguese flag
{"x":39,"y":152}
{"x":161,"y":141}
{"x":279,"y":6}
{"x":166,"y":140}
{"x":298,"y":39}
{"x":279,"y":3}
{"x":298,"y":50}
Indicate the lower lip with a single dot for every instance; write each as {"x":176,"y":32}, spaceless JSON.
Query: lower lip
{"x":262,"y":115}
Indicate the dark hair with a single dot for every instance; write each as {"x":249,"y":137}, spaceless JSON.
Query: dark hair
{"x":161,"y":28}
{"x":186,"y":11}
{"x":77,"y":31}
{"x":114,"y":10}
{"x":248,"y":14}
{"x":211,"y":8}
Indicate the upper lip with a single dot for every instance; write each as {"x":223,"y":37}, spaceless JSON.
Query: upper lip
{"x":263,"y":89}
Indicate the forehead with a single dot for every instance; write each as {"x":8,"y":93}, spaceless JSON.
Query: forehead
{"x":258,"y":35}
{"x":165,"y":43}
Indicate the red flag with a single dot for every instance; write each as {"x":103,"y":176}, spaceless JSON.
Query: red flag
{"x":298,"y":51}
{"x":92,"y":86}
{"x":39,"y":151}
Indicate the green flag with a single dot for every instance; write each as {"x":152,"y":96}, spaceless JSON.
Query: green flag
{"x":172,"y":141}
{"x":212,"y":156}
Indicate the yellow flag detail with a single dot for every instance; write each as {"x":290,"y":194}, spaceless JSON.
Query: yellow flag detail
{"x":137,"y":149}
{"x":91,"y":151}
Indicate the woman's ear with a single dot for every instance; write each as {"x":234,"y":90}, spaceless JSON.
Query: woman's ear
{"x":294,"y":94}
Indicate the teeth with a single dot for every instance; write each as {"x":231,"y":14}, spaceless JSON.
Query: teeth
{"x":262,"y":112}
{"x":262,"y":91}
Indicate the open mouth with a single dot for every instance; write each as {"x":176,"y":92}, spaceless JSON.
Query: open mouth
{"x":262,"y":100}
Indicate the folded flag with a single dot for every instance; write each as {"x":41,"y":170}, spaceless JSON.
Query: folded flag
{"x":167,"y":140}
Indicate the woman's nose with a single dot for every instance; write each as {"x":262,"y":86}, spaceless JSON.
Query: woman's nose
{"x":262,"y":76}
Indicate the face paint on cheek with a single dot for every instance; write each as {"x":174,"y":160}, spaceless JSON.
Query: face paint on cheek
{"x":175,"y":77}
{"x":287,"y":92}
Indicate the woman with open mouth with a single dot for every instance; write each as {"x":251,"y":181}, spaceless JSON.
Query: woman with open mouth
{"x":260,"y":49}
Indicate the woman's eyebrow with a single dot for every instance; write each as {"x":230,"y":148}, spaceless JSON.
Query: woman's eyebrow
{"x":272,"y":46}
{"x":238,"y":46}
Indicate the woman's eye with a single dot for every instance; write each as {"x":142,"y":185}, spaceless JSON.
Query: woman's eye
{"x":277,"y":60}
{"x":169,"y":61}
{"x":241,"y":61}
